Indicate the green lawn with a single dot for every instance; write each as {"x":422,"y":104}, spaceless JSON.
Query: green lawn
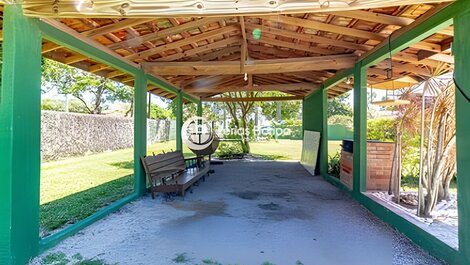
{"x":74,"y":188}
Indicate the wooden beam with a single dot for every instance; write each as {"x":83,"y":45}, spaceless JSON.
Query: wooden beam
{"x":295,"y":46}
{"x":333,"y":62}
{"x":311,"y":38}
{"x":200,"y":49}
{"x":251,"y":88}
{"x":177,"y":44}
{"x":426,"y":25}
{"x":306,"y":23}
{"x":74,"y":59}
{"x":375,"y":17}
{"x":134,"y":42}
{"x":251,"y":99}
{"x":49,"y":46}
{"x":113,"y":27}
{"x":216,"y":54}
{"x":57,"y":32}
{"x":244,"y":46}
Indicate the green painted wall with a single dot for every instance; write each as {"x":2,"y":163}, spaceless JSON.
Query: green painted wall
{"x":314,"y":118}
{"x":337,"y":132}
{"x":461,"y":50}
{"x":20,"y":123}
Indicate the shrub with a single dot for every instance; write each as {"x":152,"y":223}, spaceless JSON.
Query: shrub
{"x":381,"y":129}
{"x":343,"y":120}
{"x":334,"y":164}
{"x":229,"y":149}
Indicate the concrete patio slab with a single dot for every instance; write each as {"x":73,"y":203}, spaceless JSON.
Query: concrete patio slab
{"x":248,"y":212}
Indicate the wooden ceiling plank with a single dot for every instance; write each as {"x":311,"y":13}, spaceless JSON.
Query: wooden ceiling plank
{"x":295,"y":46}
{"x":183,"y":42}
{"x":375,"y":17}
{"x":200,"y":49}
{"x":299,"y":22}
{"x":217,"y":54}
{"x":129,"y":22}
{"x":134,"y":42}
{"x":311,"y":38}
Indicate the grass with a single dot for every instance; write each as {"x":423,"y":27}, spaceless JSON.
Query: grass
{"x":286,"y":149}
{"x":278,"y":150}
{"x":74,"y":188}
{"x":59,"y":258}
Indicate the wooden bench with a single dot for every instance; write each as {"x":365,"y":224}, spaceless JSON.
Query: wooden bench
{"x":172,"y":173}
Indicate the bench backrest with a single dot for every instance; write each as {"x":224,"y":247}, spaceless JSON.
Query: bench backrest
{"x":163,"y":165}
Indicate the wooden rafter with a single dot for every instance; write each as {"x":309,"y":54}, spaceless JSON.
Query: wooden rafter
{"x":255,"y":67}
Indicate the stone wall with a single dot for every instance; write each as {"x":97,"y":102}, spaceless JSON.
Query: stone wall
{"x":71,"y":134}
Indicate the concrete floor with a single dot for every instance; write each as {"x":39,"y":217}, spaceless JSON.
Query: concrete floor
{"x":248,"y":212}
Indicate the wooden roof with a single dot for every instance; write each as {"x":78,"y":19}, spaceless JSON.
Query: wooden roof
{"x":295,"y":53}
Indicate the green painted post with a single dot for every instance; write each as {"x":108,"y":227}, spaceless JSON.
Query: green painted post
{"x":199,"y":108}
{"x":360,"y":129}
{"x":324,"y":136}
{"x":20,"y":137}
{"x":461,"y":50}
{"x":179,"y":120}
{"x":140,"y":131}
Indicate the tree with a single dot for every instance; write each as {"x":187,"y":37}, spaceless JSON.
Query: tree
{"x":159,"y":113}
{"x":83,"y":85}
{"x":59,"y":105}
{"x":240,"y":111}
{"x":339,"y":106}
{"x":290,"y":110}
{"x":439,"y":165}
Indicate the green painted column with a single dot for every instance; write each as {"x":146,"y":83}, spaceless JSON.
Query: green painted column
{"x":20,"y":137}
{"x":140,"y":131}
{"x":360,"y":129}
{"x":314,"y":118}
{"x":199,"y":108}
{"x":179,"y":120}
{"x":461,"y":49}
{"x":324,"y":133}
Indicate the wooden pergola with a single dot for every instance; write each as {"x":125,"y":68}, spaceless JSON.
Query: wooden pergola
{"x":198,"y":51}
{"x":294,"y":53}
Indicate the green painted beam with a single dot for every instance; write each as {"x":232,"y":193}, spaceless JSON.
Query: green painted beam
{"x":338,"y":78}
{"x":20,"y":137}
{"x":162,"y":84}
{"x":402,"y":39}
{"x":415,"y":32}
{"x":179,"y":120}
{"x":199,"y":108}
{"x":360,"y":129}
{"x":140,"y":131}
{"x":461,"y":48}
{"x":77,"y":44}
{"x":190,"y":98}
{"x":169,"y":87}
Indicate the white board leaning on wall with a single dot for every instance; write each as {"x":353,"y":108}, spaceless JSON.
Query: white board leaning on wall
{"x":310,"y":146}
